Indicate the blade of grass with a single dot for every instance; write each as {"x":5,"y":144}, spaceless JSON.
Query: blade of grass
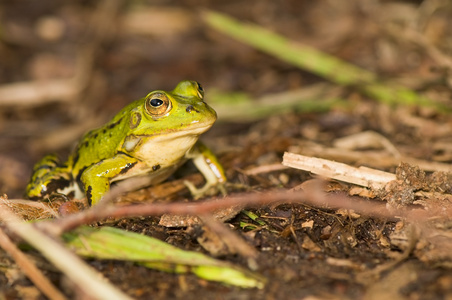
{"x":240,"y":107}
{"x":253,"y":217}
{"x":85,"y":277}
{"x":113,"y":243}
{"x":317,"y":62}
{"x":251,"y":111}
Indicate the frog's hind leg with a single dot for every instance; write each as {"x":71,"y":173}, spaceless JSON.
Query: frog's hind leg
{"x":49,"y":176}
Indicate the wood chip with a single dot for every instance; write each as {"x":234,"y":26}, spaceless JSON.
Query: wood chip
{"x":362,"y":176}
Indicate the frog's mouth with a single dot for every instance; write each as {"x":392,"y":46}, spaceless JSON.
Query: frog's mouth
{"x":192,"y":129}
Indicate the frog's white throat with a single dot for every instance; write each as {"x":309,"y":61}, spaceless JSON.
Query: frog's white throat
{"x":163,"y":150}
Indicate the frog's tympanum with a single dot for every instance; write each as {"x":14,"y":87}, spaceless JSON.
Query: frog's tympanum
{"x":152,"y":136}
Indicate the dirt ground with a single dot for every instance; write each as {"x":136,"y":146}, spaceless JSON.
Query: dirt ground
{"x":80,"y":62}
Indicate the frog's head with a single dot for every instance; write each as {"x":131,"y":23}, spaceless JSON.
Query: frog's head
{"x":179,"y":112}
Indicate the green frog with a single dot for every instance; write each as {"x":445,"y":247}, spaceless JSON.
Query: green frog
{"x":151,"y":136}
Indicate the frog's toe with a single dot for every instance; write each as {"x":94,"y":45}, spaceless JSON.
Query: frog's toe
{"x":207,"y":190}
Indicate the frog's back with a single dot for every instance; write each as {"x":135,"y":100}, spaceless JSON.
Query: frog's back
{"x":100,"y":143}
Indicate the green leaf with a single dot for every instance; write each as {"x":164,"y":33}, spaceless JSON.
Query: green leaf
{"x":117,"y":244}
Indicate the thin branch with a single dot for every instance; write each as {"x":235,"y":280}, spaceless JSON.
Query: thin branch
{"x":233,"y":241}
{"x":315,"y":198}
{"x":29,"y":268}
{"x":38,"y":92}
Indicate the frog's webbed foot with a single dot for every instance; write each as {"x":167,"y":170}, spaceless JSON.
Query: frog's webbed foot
{"x":209,"y":189}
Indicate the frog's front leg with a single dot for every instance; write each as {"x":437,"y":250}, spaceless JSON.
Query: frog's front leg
{"x":207,"y":163}
{"x":97,"y":177}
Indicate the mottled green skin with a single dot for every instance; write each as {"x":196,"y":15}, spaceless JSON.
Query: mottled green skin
{"x":136,"y":142}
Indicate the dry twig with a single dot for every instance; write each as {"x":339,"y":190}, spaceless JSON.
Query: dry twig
{"x":362,"y":176}
{"x":315,"y":198}
{"x":30,"y":269}
{"x":88,"y":280}
{"x":374,"y":158}
{"x":233,"y":241}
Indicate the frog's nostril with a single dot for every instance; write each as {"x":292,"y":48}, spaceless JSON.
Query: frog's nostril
{"x":189,"y":108}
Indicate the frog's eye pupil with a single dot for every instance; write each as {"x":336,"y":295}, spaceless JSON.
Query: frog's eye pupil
{"x":158,"y":105}
{"x":156,"y":102}
{"x":200,"y":87}
{"x":200,"y":90}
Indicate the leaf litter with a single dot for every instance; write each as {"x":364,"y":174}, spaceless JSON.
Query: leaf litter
{"x":353,"y":242}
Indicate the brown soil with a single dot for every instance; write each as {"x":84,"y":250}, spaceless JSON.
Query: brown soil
{"x":304,"y":250}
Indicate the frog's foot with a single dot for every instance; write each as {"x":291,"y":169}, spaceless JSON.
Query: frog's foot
{"x":209,"y":189}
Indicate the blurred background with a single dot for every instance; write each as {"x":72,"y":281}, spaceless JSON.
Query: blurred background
{"x":361,"y":82}
{"x":69,"y":66}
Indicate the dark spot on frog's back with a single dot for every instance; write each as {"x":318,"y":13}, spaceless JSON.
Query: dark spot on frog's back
{"x":155,"y":167}
{"x":127,"y":167}
{"x":76,"y":157}
{"x":89,"y":196}
{"x":79,"y":174}
{"x":113,"y":125}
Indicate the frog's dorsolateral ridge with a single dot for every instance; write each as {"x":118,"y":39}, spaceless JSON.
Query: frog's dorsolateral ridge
{"x":152,"y":136}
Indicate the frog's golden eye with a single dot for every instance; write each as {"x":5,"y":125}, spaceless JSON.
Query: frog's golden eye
{"x":158,"y":105}
{"x":200,"y":90}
